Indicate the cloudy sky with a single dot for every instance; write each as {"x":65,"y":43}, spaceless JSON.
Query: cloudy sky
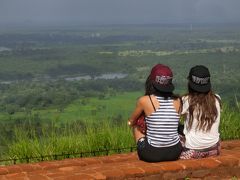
{"x":118,"y":11}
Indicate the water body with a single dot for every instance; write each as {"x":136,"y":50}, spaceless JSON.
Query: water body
{"x":102,"y":76}
{"x":79,"y":78}
{"x":2,"y":49}
{"x":111,"y":76}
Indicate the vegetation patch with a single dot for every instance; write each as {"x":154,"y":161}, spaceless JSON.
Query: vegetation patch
{"x":46,"y":108}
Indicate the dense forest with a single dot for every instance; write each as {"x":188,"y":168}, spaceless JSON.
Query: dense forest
{"x":35,"y":65}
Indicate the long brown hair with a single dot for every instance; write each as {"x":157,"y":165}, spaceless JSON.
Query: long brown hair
{"x":204,"y":105}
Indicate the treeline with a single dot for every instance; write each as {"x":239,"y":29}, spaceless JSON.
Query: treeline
{"x":24,"y":96}
{"x":29,"y":40}
{"x":8,"y":76}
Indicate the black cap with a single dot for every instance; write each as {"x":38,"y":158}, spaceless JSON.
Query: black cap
{"x":199,"y":79}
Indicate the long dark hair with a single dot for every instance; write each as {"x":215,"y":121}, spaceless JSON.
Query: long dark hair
{"x":204,"y":105}
{"x":150,"y":89}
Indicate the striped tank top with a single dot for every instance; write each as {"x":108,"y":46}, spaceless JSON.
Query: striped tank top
{"x":162,"y":124}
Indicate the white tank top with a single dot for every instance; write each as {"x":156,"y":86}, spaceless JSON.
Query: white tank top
{"x":196,"y":139}
{"x":162,"y":125}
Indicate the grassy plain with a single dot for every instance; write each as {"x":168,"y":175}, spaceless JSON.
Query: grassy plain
{"x":102,"y":130}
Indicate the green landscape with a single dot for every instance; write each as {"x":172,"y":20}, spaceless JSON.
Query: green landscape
{"x":67,"y":90}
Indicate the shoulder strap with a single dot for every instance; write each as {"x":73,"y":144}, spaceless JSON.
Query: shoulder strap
{"x":219,"y":99}
{"x":181,"y":106}
{"x":152,"y":102}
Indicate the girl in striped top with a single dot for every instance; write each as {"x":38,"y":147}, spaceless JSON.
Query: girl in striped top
{"x":161,"y":108}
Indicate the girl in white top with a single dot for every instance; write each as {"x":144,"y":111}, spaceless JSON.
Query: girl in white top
{"x":201,"y":108}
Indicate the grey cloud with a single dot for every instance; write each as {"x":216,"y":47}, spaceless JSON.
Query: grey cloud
{"x":119,"y":11}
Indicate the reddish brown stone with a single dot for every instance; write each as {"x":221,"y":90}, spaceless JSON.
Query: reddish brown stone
{"x":99,"y":176}
{"x":114,"y":173}
{"x":122,"y":166}
{"x":170,"y":166}
{"x":3,"y":170}
{"x":209,"y":163}
{"x":67,"y":169}
{"x":227,"y":161}
{"x":106,"y":160}
{"x":230,"y":144}
{"x":200,"y":173}
{"x":141,"y":163}
{"x":89,"y":161}
{"x":132,"y":172}
{"x":152,"y":169}
{"x":180,"y":175}
{"x":49,"y":165}
{"x":54,"y":174}
{"x":14,"y":169}
{"x":16,"y":175}
{"x":76,"y":177}
{"x":3,"y":177}
{"x":29,"y":167}
{"x":190,"y":164}
{"x":38,"y":177}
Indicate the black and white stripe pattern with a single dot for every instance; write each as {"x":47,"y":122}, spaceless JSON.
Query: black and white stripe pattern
{"x":162,"y":124}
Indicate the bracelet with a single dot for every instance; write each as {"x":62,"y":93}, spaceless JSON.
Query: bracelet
{"x":129,"y":123}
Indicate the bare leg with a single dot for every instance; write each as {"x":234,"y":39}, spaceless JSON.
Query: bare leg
{"x":137,"y":134}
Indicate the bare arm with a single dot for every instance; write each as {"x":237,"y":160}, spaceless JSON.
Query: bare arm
{"x":136,"y":113}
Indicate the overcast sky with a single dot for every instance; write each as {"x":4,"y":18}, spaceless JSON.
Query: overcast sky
{"x":118,"y":11}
